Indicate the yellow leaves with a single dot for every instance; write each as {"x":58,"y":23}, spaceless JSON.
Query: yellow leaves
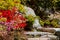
{"x":21,"y":8}
{"x":3,"y":19}
{"x":9,"y":4}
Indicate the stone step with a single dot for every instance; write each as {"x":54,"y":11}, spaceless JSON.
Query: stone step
{"x":38,"y":38}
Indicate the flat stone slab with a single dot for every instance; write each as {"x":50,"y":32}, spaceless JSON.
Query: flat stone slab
{"x":44,"y":38}
{"x":38,"y":38}
{"x":37,"y":33}
{"x":49,"y":29}
{"x":56,"y":29}
{"x":33,"y":38}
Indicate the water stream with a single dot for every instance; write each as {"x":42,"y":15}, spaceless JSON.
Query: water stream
{"x":30,"y":11}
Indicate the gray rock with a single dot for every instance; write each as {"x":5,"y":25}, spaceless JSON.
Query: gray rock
{"x":52,"y":37}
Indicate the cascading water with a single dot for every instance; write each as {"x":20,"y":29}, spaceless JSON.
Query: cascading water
{"x":36,"y":24}
{"x":30,"y":11}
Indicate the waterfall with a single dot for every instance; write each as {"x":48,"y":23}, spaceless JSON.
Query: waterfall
{"x":30,"y":11}
{"x":36,"y":23}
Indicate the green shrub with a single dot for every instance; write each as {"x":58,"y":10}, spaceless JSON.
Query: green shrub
{"x":54,"y":23}
{"x":41,"y":23}
{"x":47,"y":22}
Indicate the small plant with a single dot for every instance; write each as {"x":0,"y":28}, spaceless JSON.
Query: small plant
{"x":30,"y":19}
{"x":54,"y":23}
{"x":50,"y":23}
{"x":47,"y":22}
{"x":42,"y":23}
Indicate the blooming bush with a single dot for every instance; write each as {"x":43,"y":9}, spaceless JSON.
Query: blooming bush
{"x":10,"y":14}
{"x":15,"y":20}
{"x":11,"y":18}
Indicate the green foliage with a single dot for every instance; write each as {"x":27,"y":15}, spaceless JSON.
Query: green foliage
{"x":47,"y":22}
{"x":42,"y":3}
{"x":54,"y":23}
{"x":42,"y":23}
{"x":36,"y":4}
{"x":30,"y":18}
{"x":30,"y":21}
{"x":50,"y":4}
